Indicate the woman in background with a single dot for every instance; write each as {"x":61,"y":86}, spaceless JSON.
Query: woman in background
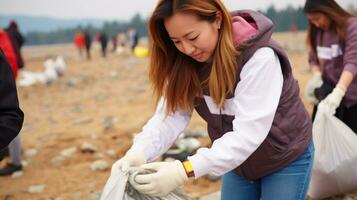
{"x":332,"y":37}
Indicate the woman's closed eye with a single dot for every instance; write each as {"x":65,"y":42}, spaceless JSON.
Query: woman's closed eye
{"x":192,"y":39}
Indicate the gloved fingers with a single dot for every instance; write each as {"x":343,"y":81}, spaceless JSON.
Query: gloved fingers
{"x":144,"y":188}
{"x":145,"y":178}
{"x":153,"y":166}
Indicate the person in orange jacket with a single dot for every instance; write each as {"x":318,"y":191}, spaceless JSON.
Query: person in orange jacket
{"x":79,"y":42}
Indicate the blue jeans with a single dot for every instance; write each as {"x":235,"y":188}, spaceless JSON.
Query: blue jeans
{"x":289,"y":183}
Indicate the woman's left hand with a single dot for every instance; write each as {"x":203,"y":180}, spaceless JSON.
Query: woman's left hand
{"x":166,"y":178}
{"x":333,"y":100}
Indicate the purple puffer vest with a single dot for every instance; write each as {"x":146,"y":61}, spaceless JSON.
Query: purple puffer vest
{"x":291,"y":131}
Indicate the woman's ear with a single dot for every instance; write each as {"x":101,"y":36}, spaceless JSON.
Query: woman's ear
{"x":218,"y":21}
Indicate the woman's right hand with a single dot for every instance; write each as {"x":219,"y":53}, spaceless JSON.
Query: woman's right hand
{"x":312,"y":84}
{"x":132,"y":158}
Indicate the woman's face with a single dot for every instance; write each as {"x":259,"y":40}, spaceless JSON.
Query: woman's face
{"x":319,"y":20}
{"x":192,"y":36}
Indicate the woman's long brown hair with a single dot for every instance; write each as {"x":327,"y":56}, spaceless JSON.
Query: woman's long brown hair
{"x":175,"y":75}
{"x":338,"y":17}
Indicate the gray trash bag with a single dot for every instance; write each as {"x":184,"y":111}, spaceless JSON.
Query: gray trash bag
{"x":118,"y":187}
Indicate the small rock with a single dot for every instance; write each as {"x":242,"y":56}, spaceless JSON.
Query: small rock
{"x":72,"y":82}
{"x":68,"y":152}
{"x":107,"y":123}
{"x":114,"y":74}
{"x":36,"y":189}
{"x":88,"y":148}
{"x":112,"y":153}
{"x":24,"y":163}
{"x":31,"y":152}
{"x":17,"y":174}
{"x":189,"y":144}
{"x":195,"y":133}
{"x":99,"y":165}
{"x":83,"y":120}
{"x":57,"y":160}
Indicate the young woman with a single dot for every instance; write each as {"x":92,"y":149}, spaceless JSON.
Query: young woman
{"x":228,"y":69}
{"x":332,"y":37}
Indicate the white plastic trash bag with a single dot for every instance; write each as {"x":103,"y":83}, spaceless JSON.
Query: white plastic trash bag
{"x":118,"y":188}
{"x":335,"y":164}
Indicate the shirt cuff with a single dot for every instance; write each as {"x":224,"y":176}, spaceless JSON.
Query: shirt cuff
{"x":199,"y":164}
{"x":351,"y":68}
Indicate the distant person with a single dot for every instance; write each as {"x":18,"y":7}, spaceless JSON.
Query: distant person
{"x":226,"y":66}
{"x":88,"y":44}
{"x":103,"y":40}
{"x":114,"y":42}
{"x":11,"y":116}
{"x":122,"y":39}
{"x":332,"y":37}
{"x":17,"y":41}
{"x":122,"y":42}
{"x":79,"y":42}
{"x":133,"y":38}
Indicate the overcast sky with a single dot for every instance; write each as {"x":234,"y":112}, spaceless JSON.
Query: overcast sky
{"x":122,"y":9}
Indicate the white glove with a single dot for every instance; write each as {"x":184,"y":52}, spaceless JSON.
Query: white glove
{"x":333,"y":100}
{"x":132,"y":158}
{"x":312,"y":84}
{"x":168,"y":176}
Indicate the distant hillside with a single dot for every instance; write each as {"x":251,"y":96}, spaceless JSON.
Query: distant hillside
{"x":46,"y":24}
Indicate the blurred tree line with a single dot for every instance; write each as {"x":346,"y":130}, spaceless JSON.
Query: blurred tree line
{"x":111,"y":28}
{"x":286,"y":19}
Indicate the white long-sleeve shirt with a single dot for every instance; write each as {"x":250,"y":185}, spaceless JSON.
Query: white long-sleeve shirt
{"x":254,"y":104}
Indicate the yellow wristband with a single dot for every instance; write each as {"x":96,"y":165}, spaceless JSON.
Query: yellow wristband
{"x":188,"y":168}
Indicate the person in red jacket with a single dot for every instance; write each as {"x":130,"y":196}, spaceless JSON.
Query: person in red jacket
{"x":15,"y":145}
{"x":9,"y":51}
